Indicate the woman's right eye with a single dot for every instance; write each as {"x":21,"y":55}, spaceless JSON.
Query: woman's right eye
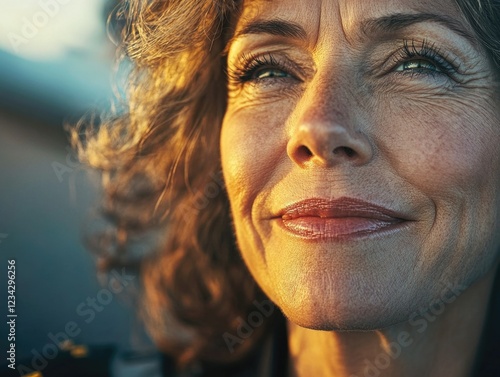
{"x":265,"y":73}
{"x":254,"y":69}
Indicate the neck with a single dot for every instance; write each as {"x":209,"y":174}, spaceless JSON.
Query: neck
{"x":437,"y":343}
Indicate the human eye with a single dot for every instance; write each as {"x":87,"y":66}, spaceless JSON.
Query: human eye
{"x":423,"y":59}
{"x":259,"y":70}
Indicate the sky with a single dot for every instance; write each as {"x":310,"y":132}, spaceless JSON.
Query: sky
{"x":48,"y":29}
{"x":55,"y":55}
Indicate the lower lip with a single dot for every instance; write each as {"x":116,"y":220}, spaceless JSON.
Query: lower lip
{"x":339,"y":228}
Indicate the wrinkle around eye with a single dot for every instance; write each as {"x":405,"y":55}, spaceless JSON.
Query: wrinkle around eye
{"x":244,"y":98}
{"x":266,"y":90}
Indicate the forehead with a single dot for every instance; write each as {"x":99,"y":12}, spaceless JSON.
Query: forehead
{"x":318,"y":16}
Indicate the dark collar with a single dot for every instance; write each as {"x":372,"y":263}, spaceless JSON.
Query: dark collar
{"x":488,"y":359}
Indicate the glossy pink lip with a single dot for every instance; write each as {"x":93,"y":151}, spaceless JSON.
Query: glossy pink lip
{"x":340,"y":219}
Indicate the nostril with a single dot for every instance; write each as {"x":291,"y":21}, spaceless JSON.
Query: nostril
{"x":349,"y":152}
{"x":304,"y":152}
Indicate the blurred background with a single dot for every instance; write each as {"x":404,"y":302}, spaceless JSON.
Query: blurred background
{"x":56,"y":64}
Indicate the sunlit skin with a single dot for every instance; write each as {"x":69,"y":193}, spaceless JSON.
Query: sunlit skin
{"x":363,"y":100}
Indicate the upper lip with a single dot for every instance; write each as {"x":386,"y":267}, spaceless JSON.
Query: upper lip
{"x":338,"y":208}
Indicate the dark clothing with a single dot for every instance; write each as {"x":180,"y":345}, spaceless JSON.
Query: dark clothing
{"x":488,"y":359}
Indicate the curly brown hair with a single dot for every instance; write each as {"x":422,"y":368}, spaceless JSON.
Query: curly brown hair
{"x":161,"y":168}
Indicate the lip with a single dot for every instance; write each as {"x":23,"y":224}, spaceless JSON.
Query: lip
{"x":340,"y":219}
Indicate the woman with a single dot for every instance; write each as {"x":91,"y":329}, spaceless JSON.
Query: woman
{"x":358,"y":144}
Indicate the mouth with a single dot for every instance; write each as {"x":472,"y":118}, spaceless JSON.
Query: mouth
{"x":340,"y":219}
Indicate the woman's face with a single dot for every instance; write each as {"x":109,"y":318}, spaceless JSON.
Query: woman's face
{"x":361,"y":154}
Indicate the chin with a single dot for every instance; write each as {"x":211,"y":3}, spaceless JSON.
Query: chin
{"x":355,"y":318}
{"x":342,"y":304}
{"x":363,"y":304}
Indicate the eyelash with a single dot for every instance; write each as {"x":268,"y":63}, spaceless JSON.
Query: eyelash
{"x":424,"y":51}
{"x":250,"y":64}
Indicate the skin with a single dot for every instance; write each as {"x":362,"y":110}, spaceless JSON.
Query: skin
{"x":343,"y":112}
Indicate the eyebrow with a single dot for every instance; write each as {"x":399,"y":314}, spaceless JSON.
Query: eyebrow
{"x":386,"y":24}
{"x":276,"y":27}
{"x":398,"y":21}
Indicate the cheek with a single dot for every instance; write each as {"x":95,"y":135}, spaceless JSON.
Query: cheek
{"x":253,"y":147}
{"x":443,"y":150}
{"x":253,"y":143}
{"x":450,"y":155}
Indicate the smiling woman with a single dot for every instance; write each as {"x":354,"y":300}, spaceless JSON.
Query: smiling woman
{"x":359,"y":150}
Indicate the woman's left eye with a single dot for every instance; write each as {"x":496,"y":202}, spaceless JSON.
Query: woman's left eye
{"x":417,"y":65}
{"x":423,"y":59}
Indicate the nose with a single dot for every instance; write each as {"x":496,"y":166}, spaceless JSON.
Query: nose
{"x":327,"y":137}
